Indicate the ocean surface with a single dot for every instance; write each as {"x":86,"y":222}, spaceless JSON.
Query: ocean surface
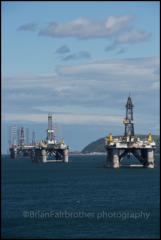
{"x":79,"y":199}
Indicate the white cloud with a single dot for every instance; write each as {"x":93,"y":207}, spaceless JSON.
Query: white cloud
{"x":83,"y":28}
{"x":133,"y":37}
{"x":28,"y":81}
{"x":156,"y":85}
{"x":92,"y":83}
{"x":127,"y":72}
{"x":64,"y":118}
{"x":95,"y":84}
{"x":140,"y":67}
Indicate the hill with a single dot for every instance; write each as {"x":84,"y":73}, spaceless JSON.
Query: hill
{"x":98,"y":145}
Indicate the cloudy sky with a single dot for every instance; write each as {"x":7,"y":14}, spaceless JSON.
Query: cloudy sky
{"x":79,"y":61}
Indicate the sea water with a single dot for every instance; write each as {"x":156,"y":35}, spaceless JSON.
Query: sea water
{"x":79,"y":199}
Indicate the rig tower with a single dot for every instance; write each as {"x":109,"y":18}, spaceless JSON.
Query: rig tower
{"x":22,"y":136}
{"x":129,"y":122}
{"x":14,"y":135}
{"x":9,"y":137}
{"x":33,"y":139}
{"x":118,"y":148}
{"x":50,"y":132}
{"x":27,"y":136}
{"x":18,"y":135}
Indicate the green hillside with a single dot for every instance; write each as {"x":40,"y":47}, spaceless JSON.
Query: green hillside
{"x":98,"y":145}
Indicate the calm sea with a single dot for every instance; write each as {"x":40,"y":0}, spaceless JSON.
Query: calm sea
{"x":79,"y":199}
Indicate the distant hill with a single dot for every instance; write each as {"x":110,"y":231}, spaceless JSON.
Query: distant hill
{"x":98,"y":145}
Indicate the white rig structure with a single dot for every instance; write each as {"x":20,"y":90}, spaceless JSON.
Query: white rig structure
{"x":44,"y":150}
{"x":118,"y":148}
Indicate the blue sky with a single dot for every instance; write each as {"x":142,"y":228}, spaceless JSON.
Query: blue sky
{"x":79,"y":60}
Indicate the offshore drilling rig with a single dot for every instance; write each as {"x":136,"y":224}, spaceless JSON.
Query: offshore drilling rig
{"x":118,"y":148}
{"x":42,"y":151}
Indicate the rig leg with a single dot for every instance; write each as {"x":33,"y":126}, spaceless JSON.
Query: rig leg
{"x":32,"y":155}
{"x":37,"y":157}
{"x":12,"y":153}
{"x":66,"y":156}
{"x":149,"y":163}
{"x":57,"y":155}
{"x":113,"y":158}
{"x":143,"y":156}
{"x":43,"y":156}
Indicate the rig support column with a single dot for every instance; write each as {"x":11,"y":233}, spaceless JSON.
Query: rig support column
{"x":43,"y":155}
{"x":66,"y":155}
{"x":12,"y":153}
{"x":149,"y":158}
{"x":113,"y":158}
{"x":143,"y":156}
{"x":37,"y":155}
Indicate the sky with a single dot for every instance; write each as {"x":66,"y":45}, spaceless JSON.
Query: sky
{"x":79,"y":60}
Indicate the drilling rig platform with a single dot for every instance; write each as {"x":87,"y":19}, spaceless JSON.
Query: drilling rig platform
{"x":129,"y":144}
{"x":44,"y":150}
